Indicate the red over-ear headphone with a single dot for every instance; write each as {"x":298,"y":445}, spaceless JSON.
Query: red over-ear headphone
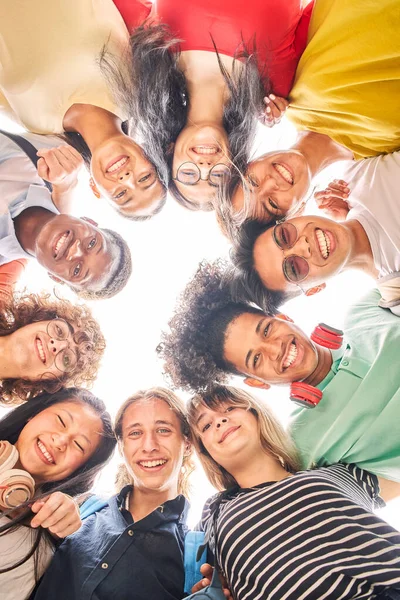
{"x":305,"y":394}
{"x":16,"y":486}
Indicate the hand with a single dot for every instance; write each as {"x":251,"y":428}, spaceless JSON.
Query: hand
{"x":60,"y":166}
{"x":207,"y":571}
{"x":274,"y":110}
{"x":58,"y":513}
{"x":333,"y":200}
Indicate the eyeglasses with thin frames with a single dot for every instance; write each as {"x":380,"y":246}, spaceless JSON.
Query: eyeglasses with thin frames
{"x":189,"y":173}
{"x":59,"y":330}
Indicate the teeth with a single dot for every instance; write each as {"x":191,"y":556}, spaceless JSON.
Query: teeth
{"x":46,"y":454}
{"x":61,"y":241}
{"x":152,"y":463}
{"x":39,"y":346}
{"x":205,"y":149}
{"x":291,"y":357}
{"x":117,"y":165}
{"x":287,"y":176}
{"x":323,"y":242}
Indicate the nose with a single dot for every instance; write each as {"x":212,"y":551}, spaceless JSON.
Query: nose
{"x":302,"y":247}
{"x":56,"y":346}
{"x":150,"y":442}
{"x":75,"y":250}
{"x":60,"y":441}
{"x":273,"y":348}
{"x":124,"y":175}
{"x":269,"y":184}
{"x":221,"y":421}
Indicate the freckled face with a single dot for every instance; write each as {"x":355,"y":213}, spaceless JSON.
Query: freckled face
{"x":126,"y":177}
{"x":325,"y":244}
{"x":277,"y":182}
{"x":272,"y":350}
{"x":59,"y":440}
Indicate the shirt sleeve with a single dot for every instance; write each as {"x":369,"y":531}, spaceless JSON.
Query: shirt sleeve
{"x":9,"y":275}
{"x":368,"y":482}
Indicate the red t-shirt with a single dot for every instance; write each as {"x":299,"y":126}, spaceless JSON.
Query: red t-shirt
{"x":279,"y":28}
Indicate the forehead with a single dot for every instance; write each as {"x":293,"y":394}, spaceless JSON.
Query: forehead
{"x":241,"y":335}
{"x":148,"y":412}
{"x":268,"y":259}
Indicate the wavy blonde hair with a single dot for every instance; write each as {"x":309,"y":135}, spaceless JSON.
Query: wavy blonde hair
{"x":178,"y":408}
{"x":274,"y":439}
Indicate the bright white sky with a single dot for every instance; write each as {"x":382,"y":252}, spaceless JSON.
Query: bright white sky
{"x":166,"y":251}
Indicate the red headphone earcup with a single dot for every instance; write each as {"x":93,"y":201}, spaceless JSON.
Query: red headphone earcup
{"x":327,"y":336}
{"x":304,"y":394}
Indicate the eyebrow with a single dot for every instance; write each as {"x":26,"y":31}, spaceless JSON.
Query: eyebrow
{"x":248,"y":356}
{"x":158,"y":422}
{"x":73,"y":420}
{"x":200,"y":418}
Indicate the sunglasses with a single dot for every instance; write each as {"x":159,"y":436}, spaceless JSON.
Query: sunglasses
{"x":295,"y":268}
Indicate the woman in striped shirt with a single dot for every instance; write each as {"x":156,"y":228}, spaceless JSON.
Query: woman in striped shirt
{"x":281,"y":533}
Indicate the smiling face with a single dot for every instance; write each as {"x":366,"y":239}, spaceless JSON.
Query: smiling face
{"x":228,"y":432}
{"x":277,"y":182}
{"x":199,"y":149}
{"x":38,"y":352}
{"x":74,"y":251}
{"x":125,"y":176}
{"x":325,"y":244}
{"x":153,"y":445}
{"x":58,"y":441}
{"x":269,"y":349}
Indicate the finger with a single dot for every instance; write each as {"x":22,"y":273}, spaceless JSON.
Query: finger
{"x":42,"y":168}
{"x":73,"y":153}
{"x":65,"y":526}
{"x":338,"y":187}
{"x":53,"y":503}
{"x":68,"y":159}
{"x":280,"y":103}
{"x":200,"y":585}
{"x":206,"y":570}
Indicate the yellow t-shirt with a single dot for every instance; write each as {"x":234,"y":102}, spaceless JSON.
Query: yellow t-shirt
{"x":49,"y":51}
{"x":347,"y":83}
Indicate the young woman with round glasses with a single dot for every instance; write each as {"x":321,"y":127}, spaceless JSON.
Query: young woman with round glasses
{"x":348,"y":386}
{"x":278,"y":532}
{"x":46,"y":343}
{"x":51,"y":448}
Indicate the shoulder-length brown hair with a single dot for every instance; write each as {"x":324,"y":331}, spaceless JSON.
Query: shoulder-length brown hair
{"x":178,"y":407}
{"x":25,"y":309}
{"x":274,"y":439}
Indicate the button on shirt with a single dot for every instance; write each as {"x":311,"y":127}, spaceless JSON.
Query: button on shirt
{"x":111,"y":556}
{"x":20,"y":188}
{"x":357,"y":419}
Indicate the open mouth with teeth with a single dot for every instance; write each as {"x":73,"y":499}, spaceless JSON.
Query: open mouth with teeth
{"x":40,"y":350}
{"x":324,"y":243}
{"x":152,"y":465}
{"x":45,"y":453}
{"x":291,"y":355}
{"x":62,"y":245}
{"x":206,"y":149}
{"x":284,"y":172}
{"x":117,"y":164}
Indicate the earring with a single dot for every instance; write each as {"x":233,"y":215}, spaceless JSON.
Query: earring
{"x":93,"y":187}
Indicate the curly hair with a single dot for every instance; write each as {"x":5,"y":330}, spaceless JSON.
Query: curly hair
{"x":24,"y":309}
{"x":193,"y":350}
{"x":118,"y":276}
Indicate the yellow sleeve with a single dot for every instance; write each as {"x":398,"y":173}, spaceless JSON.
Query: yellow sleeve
{"x":347,"y":82}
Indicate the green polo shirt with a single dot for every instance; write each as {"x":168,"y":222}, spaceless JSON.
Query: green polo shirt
{"x":358,"y":419}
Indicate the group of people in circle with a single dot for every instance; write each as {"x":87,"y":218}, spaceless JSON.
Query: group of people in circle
{"x":167,"y":98}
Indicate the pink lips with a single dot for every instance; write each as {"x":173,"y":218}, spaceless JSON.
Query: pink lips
{"x":228,"y":432}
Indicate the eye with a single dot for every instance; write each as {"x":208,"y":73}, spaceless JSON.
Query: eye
{"x":134,"y":434}
{"x":120,"y":195}
{"x":266,"y":330}
{"x":205,"y":428}
{"x":256,"y":359}
{"x":252,"y":181}
{"x":59,"y":331}
{"x":230,"y":408}
{"x":77,"y":270}
{"x":273,"y":204}
{"x":61,"y":421}
{"x":145,"y":178}
{"x":163,"y":430}
{"x":92,"y":243}
{"x":79,"y":447}
{"x":66,"y":361}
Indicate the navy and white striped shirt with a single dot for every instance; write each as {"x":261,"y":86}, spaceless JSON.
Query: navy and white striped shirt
{"x":311,"y":536}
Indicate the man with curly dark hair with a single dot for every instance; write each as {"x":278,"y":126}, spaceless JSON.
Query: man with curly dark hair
{"x":46,"y":343}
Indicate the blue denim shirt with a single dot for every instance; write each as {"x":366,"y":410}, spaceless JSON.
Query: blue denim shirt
{"x":111,"y":556}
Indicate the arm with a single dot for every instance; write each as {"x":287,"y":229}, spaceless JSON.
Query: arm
{"x":389,"y":490}
{"x":9,"y":275}
{"x":60,"y":166}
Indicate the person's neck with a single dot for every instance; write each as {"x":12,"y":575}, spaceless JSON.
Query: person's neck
{"x":28,"y":225}
{"x":261,"y":469}
{"x":94,"y":124}
{"x":361,"y":256}
{"x":320,"y":151}
{"x":142,"y":502}
{"x":323,"y":367}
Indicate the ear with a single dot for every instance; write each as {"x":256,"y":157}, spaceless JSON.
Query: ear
{"x":255,"y":383}
{"x":88,"y":220}
{"x":120,"y":448}
{"x":315,"y":289}
{"x":188,"y":448}
{"x":94,"y":188}
{"x":284,"y":317}
{"x":54,"y":278}
{"x":170,"y":148}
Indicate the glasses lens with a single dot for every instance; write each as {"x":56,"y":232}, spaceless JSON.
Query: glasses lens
{"x":188,"y":173}
{"x":295,"y":268}
{"x":58,"y":329}
{"x":219,"y":174}
{"x":66,"y":360}
{"x":285,"y":235}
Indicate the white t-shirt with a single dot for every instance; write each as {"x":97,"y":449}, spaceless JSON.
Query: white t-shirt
{"x":20,"y":582}
{"x":375,"y":202}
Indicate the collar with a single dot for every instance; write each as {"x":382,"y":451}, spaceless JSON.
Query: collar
{"x":173,"y":510}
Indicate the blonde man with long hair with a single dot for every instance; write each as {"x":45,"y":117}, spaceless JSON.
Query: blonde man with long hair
{"x":132,"y":548}
{"x":278,"y":532}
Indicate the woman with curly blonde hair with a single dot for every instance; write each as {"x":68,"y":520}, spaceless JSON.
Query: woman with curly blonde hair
{"x":46,"y":343}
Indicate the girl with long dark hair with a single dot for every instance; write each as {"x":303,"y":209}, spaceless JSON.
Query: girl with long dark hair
{"x":55,"y":446}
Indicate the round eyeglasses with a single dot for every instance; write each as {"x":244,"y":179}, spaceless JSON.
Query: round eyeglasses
{"x":295,"y":268}
{"x":59,"y":330}
{"x":189,"y":174}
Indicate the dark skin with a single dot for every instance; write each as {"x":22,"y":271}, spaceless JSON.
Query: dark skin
{"x":28,"y":225}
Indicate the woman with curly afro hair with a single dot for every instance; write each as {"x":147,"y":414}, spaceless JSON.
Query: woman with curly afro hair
{"x":45,"y":344}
